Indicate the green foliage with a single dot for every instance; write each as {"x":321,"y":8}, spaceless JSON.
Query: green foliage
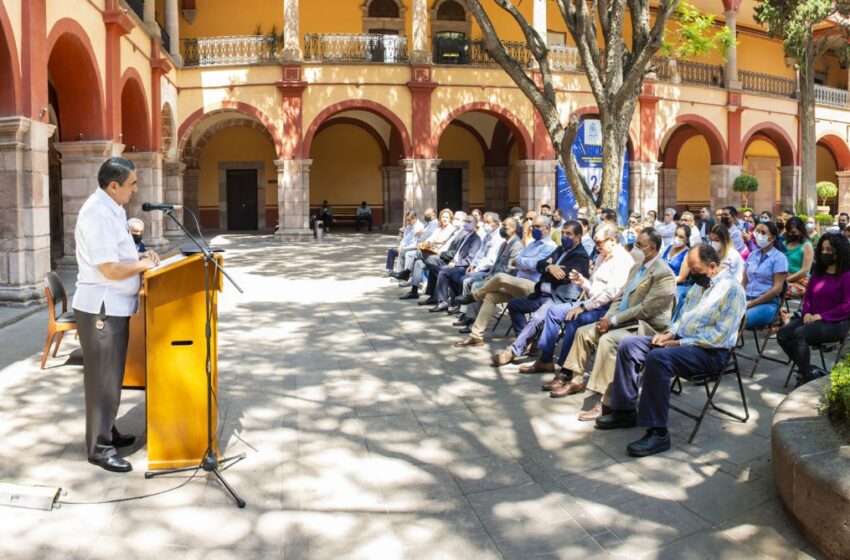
{"x":802,"y":217}
{"x":745,"y":209}
{"x":799,"y":208}
{"x":825,"y":219}
{"x":745,"y":183}
{"x":838,"y":394}
{"x":793,"y":21}
{"x":826,"y":189}
{"x":696,"y":34}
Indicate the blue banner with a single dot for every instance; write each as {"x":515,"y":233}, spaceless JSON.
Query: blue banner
{"x":587,"y":149}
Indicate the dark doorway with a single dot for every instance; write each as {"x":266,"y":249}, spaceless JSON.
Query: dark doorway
{"x":241,"y":199}
{"x":57,"y":220}
{"x":450,"y":188}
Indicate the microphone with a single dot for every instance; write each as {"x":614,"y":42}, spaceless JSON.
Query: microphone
{"x":148,"y":207}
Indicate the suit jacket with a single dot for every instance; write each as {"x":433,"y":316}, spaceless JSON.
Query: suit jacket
{"x":651,"y":301}
{"x":709,"y":223}
{"x":454,"y":243}
{"x":574,"y":259}
{"x":505,"y":261}
{"x":466,"y":248}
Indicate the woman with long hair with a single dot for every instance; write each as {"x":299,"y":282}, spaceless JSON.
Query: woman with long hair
{"x":766,"y":271}
{"x":800,"y":254}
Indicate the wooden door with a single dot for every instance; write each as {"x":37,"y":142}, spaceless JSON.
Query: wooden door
{"x":242,"y":199}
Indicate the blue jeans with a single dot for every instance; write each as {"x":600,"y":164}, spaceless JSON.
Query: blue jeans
{"x":537,"y":305}
{"x":761,"y":315}
{"x":552,"y":328}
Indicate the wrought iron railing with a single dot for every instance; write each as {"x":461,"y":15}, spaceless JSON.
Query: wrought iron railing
{"x":688,"y":72}
{"x":563,"y":58}
{"x":165,"y":38}
{"x":767,"y":84}
{"x":831,"y":96}
{"x":232,"y":50}
{"x":451,"y":50}
{"x":138,"y":6}
{"x":355,"y":48}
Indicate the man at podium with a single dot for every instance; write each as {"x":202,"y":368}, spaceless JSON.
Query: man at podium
{"x":106,"y":296}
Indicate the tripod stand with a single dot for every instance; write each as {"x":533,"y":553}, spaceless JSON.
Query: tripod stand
{"x":210,"y":462}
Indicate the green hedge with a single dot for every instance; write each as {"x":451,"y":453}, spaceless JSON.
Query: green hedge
{"x":838,"y":394}
{"x":825,"y":219}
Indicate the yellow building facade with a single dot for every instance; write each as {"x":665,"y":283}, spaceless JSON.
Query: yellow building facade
{"x":252,"y":114}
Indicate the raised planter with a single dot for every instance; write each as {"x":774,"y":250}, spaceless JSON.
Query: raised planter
{"x":811,"y":466}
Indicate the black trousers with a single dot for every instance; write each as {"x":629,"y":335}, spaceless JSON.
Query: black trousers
{"x":104,"y":354}
{"x":795,"y":338}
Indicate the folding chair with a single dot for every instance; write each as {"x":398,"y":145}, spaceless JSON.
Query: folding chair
{"x":760,"y":347}
{"x":58,"y":322}
{"x":821,"y":348}
{"x":729,"y":366}
{"x":499,"y":320}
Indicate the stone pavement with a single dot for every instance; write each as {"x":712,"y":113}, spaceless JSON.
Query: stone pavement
{"x":368,"y":436}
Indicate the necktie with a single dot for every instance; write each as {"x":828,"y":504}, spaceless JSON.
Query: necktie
{"x":625,"y":303}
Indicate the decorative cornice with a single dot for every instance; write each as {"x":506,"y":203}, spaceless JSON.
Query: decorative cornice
{"x":118,"y":20}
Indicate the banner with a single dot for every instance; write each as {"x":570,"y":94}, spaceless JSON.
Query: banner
{"x":587,"y":149}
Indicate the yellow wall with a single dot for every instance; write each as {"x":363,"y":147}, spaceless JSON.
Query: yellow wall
{"x":346,"y":167}
{"x":760,"y":148}
{"x":694,"y":178}
{"x":826,"y":165}
{"x":763,"y":55}
{"x":225,"y":17}
{"x":457,"y":144}
{"x":235,"y":145}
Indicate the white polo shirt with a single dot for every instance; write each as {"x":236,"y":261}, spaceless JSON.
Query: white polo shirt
{"x":102,"y":236}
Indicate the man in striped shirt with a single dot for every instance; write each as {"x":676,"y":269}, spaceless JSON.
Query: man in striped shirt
{"x":698,"y":342}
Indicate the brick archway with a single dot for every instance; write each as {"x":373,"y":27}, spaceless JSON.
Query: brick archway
{"x":775,"y":135}
{"x":247,"y":111}
{"x":685,"y":128}
{"x":520,"y":132}
{"x":10,"y":88}
{"x":73,"y":70}
{"x":839,"y":150}
{"x":192,"y":153}
{"x":135,"y":116}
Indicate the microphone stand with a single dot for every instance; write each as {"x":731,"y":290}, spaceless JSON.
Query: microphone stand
{"x":210,"y":462}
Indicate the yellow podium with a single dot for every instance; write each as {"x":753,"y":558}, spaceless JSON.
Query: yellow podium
{"x":167,"y":356}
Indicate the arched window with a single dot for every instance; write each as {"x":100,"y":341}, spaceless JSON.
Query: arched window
{"x":383,"y":9}
{"x":451,"y":11}
{"x":383,"y":17}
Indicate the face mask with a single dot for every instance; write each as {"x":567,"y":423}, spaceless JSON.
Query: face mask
{"x":764,"y":220}
{"x":137,"y":238}
{"x":428,"y":218}
{"x":827,"y":259}
{"x":567,"y":243}
{"x":488,"y":229}
{"x":630,"y":239}
{"x":716,"y":245}
{"x":810,"y":227}
{"x":793,"y":238}
{"x":677,"y":242}
{"x":468,"y":227}
{"x":536,"y":234}
{"x":762,"y":240}
{"x":556,"y":221}
{"x":503,"y":232}
{"x":780,"y":225}
{"x":597,"y":219}
{"x":701,"y":280}
{"x":726,"y":221}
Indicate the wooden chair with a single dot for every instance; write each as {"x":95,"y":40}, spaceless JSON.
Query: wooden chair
{"x":58,"y":322}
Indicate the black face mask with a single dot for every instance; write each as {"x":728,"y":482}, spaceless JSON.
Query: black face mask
{"x":827,"y":259}
{"x":503,"y":232}
{"x":137,"y":238}
{"x":726,"y":221}
{"x":780,"y":225}
{"x":428,"y":218}
{"x":792,"y":237}
{"x":556,"y":221}
{"x":701,"y":280}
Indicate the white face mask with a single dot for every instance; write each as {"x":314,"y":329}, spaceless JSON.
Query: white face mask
{"x":678,"y":242}
{"x":716,"y":245}
{"x":762,"y":240}
{"x":488,"y":229}
{"x":810,"y":227}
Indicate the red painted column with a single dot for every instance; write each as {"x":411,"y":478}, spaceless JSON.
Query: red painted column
{"x":648,"y":149}
{"x":117,"y":24}
{"x":159,"y":68}
{"x":34,"y":58}
{"x":421,"y":87}
{"x":292,"y":88}
{"x":735,"y":154}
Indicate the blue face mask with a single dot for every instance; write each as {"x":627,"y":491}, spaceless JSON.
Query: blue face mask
{"x":567,"y":243}
{"x":468,"y":227}
{"x":764,"y":220}
{"x":630,"y":240}
{"x":536,"y":234}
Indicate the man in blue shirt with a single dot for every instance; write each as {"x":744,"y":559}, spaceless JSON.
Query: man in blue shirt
{"x":409,"y":239}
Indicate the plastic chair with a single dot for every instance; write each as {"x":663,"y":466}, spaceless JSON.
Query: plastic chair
{"x":58,"y":322}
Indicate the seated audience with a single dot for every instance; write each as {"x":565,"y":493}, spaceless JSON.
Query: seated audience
{"x":667,"y":230}
{"x":766,"y":271}
{"x":729,"y":257}
{"x":706,"y":222}
{"x":459,"y":255}
{"x":586,"y":238}
{"x":825,"y":313}
{"x":557,"y":224}
{"x":688,"y":219}
{"x":699,"y":342}
{"x":644,"y":307}
{"x":439,"y":241}
{"x":674,"y":255}
{"x":408,"y":242}
{"x":812,"y":230}
{"x":137,"y":230}
{"x":729,"y":218}
{"x":363,"y":215}
{"x":800,"y":254}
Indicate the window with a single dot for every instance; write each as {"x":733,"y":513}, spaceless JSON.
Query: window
{"x":383,"y":9}
{"x":451,"y":11}
{"x":385,"y":17}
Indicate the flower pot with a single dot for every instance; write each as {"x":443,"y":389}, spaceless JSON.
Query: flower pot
{"x":823,"y":209}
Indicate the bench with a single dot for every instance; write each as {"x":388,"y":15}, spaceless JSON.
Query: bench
{"x":344,"y":215}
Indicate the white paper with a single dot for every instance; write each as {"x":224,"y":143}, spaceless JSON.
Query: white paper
{"x":170,"y":260}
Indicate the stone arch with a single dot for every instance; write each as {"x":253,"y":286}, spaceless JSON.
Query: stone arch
{"x":520,"y":132}
{"x":192,"y":153}
{"x":838,"y":148}
{"x":135,"y":115}
{"x":10,"y":89}
{"x":687,"y":126}
{"x":774,"y":134}
{"x":198,"y":117}
{"x":72,"y":67}
{"x":384,"y":15}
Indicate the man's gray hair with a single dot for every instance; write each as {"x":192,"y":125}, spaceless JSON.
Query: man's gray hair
{"x":135,"y":223}
{"x":544,"y":220}
{"x":491,"y":216}
{"x":607,"y":230}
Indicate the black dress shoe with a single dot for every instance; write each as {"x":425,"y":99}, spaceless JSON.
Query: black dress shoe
{"x":121,"y":440}
{"x":439,"y":307}
{"x":113,"y":463}
{"x":453,"y":310}
{"x":650,"y":444}
{"x":464,"y":299}
{"x":616,"y":420}
{"x":462,"y":321}
{"x":465,"y":330}
{"x":410,"y":295}
{"x":429,"y":301}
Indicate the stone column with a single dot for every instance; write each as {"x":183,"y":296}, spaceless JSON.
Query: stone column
{"x":843,"y":190}
{"x":192,"y":190}
{"x":172,"y":27}
{"x":172,"y":173}
{"x":24,"y":209}
{"x":540,"y":19}
{"x":80,"y":164}
{"x":291,"y":31}
{"x":421,"y":54}
{"x":722,"y":178}
{"x":149,"y":173}
{"x":537,"y":182}
{"x":293,"y":197}
{"x":420,"y":184}
{"x":668,"y":183}
{"x":644,"y":189}
{"x":150,"y":18}
{"x":496,"y":189}
{"x":790,"y":188}
{"x":393,"y":176}
{"x":732,"y":81}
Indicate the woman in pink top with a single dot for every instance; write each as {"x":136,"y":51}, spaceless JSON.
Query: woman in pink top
{"x":825,"y":314}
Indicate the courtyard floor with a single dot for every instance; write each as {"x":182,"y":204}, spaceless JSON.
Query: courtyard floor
{"x":369,"y":436}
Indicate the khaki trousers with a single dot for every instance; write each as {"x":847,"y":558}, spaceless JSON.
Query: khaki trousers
{"x":587,"y":338}
{"x":498,"y":289}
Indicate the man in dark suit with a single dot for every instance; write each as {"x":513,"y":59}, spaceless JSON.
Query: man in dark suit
{"x":460,"y":254}
{"x":706,"y":222}
{"x":554,"y":287}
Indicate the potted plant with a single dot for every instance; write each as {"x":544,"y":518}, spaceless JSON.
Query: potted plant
{"x":745,"y":183}
{"x":825,"y":220}
{"x":825,"y":189}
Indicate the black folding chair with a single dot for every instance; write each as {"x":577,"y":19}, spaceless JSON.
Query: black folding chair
{"x":822,"y":348}
{"x":761,"y":346}
{"x":713,"y":378}
{"x":499,"y":320}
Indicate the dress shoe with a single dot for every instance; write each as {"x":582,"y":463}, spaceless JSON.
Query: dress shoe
{"x":560,"y":378}
{"x":537,"y":367}
{"x":566,"y":390}
{"x":453,"y":310}
{"x":469,"y":341}
{"x":462,"y":321}
{"x":410,"y":295}
{"x":404,"y":285}
{"x":504,"y":357}
{"x":465,"y":299}
{"x":113,"y":463}
{"x":465,"y":330}
{"x":439,"y":307}
{"x":650,"y":444}
{"x":121,"y":440}
{"x":398,"y":275}
{"x":598,"y":410}
{"x":616,"y":420}
{"x":429,"y":301}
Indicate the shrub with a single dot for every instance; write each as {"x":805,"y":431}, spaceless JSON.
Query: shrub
{"x":802,"y":217}
{"x":825,"y":219}
{"x":826,"y":189}
{"x":745,"y":183}
{"x":838,"y":394}
{"x":745,"y":209}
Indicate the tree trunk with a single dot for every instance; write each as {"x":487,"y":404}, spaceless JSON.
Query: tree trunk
{"x":613,"y":151}
{"x":808,"y":143}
